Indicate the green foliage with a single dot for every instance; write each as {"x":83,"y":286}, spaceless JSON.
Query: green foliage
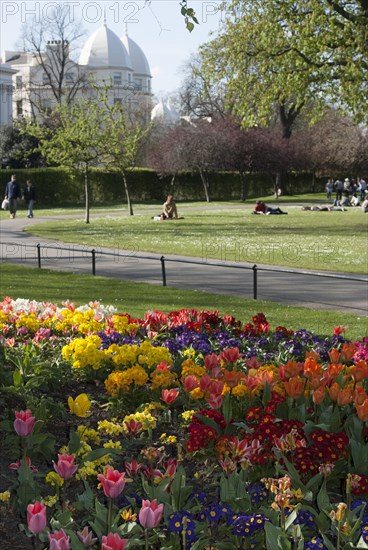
{"x":58,"y":187}
{"x":299,"y":54}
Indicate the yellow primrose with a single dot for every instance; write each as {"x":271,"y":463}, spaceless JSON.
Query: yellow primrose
{"x":80,"y":406}
{"x":54,"y":479}
{"x":5,"y":496}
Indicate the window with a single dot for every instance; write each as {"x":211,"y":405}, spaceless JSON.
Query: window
{"x":117,"y":79}
{"x":19,"y":107}
{"x":118,"y":101}
{"x":138,"y":84}
{"x":45,"y":79}
{"x":69,"y":77}
{"x":18,"y":82}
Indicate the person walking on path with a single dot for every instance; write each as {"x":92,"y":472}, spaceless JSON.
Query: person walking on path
{"x":29,"y":195}
{"x":12,"y":193}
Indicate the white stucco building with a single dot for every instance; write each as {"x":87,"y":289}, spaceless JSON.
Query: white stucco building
{"x":6,"y":94}
{"x":105,"y":59}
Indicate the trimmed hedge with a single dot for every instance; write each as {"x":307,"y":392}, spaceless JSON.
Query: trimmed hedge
{"x":56,"y":187}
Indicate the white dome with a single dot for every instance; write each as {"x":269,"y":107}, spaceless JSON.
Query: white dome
{"x":139,"y":61}
{"x":164,"y":113}
{"x":104,"y":49}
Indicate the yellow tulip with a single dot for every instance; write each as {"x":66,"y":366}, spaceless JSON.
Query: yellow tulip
{"x":80,"y":405}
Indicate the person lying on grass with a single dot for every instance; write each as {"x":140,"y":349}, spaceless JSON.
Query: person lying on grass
{"x":263,"y":209}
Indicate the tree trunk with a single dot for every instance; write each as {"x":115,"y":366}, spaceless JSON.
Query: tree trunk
{"x":86,"y":194}
{"x":129,"y":202}
{"x":173,"y":180}
{"x":243,"y":187}
{"x":205,"y":185}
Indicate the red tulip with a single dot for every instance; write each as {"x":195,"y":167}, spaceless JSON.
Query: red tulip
{"x":113,"y":482}
{"x":169,"y":396}
{"x":65,"y":467}
{"x":150,"y":514}
{"x":36,"y":517}
{"x":59,"y":540}
{"x":230,"y":355}
{"x":24,"y":423}
{"x":113,"y":542}
{"x":132,"y":468}
{"x":133,"y":427}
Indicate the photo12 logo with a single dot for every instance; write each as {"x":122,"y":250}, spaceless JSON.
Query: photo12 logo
{"x":89,"y":12}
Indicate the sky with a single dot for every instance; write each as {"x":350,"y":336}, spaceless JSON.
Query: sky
{"x":157,"y":26}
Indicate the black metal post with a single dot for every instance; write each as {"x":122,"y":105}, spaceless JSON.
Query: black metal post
{"x":163,"y":270}
{"x":254,"y":282}
{"x":39,"y":255}
{"x":93,"y":252}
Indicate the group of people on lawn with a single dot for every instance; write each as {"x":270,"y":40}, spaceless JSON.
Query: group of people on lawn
{"x":170,"y":212}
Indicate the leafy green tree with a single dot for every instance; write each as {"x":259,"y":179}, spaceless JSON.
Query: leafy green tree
{"x":17,"y":148}
{"x":73,"y":139}
{"x":293,"y":56}
{"x":123,"y":136}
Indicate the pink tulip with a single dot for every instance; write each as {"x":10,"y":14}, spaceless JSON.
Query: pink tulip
{"x":113,"y":542}
{"x":113,"y":482}
{"x":36,"y":517}
{"x":191,"y":382}
{"x":86,"y":537}
{"x":169,"y":396}
{"x":24,"y":423}
{"x":150,"y":514}
{"x":59,"y":540}
{"x":16,"y":465}
{"x":215,"y":401}
{"x":65,"y":466}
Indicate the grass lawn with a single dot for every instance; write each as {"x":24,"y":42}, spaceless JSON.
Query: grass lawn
{"x":137,"y":298}
{"x":332,"y":241}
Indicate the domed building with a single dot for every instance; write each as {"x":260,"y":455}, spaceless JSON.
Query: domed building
{"x":164,"y":113}
{"x":105,"y":59}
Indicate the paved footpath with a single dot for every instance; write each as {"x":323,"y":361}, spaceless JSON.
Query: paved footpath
{"x":296,"y":287}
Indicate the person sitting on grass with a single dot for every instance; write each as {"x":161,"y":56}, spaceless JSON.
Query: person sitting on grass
{"x":262,"y":208}
{"x":169,"y":208}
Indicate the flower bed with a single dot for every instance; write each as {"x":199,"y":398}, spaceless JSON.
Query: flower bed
{"x":181,"y":431}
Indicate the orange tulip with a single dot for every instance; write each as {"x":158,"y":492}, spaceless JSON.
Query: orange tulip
{"x":333,"y":391}
{"x":334,"y":369}
{"x":312,"y":368}
{"x":316,"y":382}
{"x":312,"y":355}
{"x":360,"y":395}
{"x":318,"y":395}
{"x":347,"y":351}
{"x":344,"y":397}
{"x":334,"y":355}
{"x":264,"y":377}
{"x":293,"y":368}
{"x":359,"y":371}
{"x":362,"y":410}
{"x":294,"y":387}
{"x":232,"y":377}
